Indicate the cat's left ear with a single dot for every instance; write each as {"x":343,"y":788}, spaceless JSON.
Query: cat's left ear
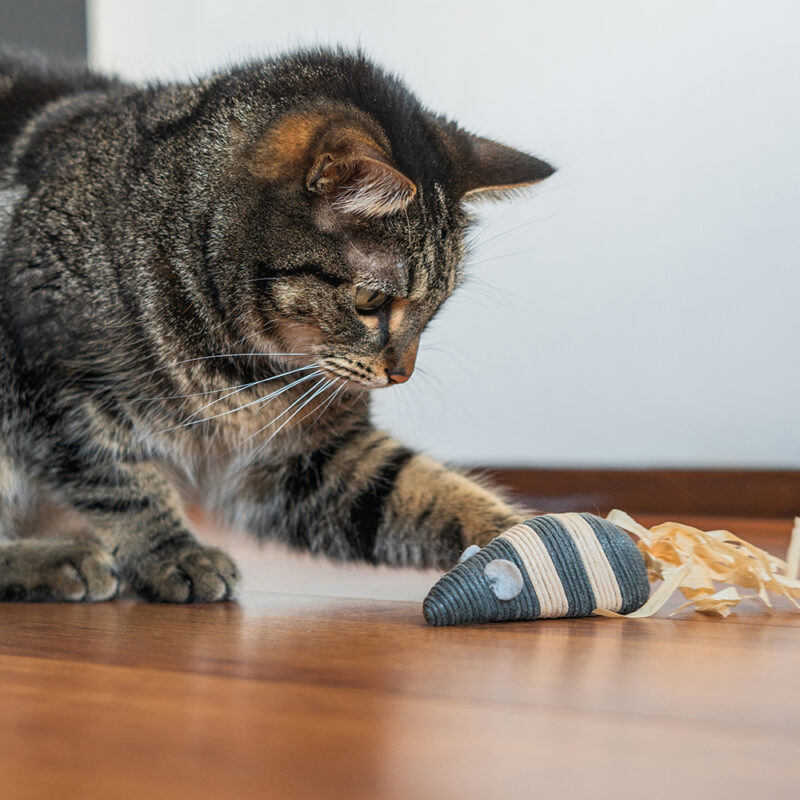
{"x":492,"y":167}
{"x":338,"y":154}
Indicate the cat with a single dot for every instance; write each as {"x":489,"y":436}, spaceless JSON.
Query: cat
{"x":200,"y":284}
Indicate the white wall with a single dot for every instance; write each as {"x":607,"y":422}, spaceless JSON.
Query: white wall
{"x":642,"y":307}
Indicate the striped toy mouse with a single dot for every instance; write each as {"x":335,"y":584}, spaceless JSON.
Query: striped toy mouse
{"x":555,"y":565}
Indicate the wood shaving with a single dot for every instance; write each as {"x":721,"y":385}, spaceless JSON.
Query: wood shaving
{"x":696,"y":562}
{"x":793,"y":553}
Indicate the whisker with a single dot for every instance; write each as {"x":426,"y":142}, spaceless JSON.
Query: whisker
{"x":247,"y":405}
{"x":500,"y":297}
{"x":482,"y":243}
{"x":226,"y":388}
{"x":285,"y":411}
{"x":473,"y":281}
{"x":242,"y":388}
{"x":284,"y":424}
{"x":504,"y":255}
{"x":443,"y":392}
{"x":225,"y":355}
{"x":454,"y":352}
{"x":327,"y":403}
{"x":308,"y":413}
{"x":484,"y":229}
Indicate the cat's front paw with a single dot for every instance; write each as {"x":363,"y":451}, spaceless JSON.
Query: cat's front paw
{"x":191,"y":574}
{"x":90,"y":567}
{"x":79,"y":571}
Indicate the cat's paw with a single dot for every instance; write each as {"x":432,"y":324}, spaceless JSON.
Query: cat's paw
{"x":62,"y":571}
{"x":191,"y":574}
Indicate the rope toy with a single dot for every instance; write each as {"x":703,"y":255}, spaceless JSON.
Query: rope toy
{"x":556,"y":565}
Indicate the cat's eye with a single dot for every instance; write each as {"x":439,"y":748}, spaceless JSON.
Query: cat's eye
{"x":369,"y":300}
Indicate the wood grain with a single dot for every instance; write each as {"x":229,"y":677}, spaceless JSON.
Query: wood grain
{"x":303,"y":696}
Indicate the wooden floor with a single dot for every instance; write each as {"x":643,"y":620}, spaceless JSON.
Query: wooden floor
{"x":300,"y":695}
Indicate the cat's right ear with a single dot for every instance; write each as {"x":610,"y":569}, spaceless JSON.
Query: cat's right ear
{"x":361,"y":181}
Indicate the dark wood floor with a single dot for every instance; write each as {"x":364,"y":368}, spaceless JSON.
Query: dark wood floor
{"x":310,"y":696}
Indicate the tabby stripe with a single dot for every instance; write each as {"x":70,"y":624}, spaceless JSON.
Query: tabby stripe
{"x":120,"y":505}
{"x":307,"y":475}
{"x":94,"y":480}
{"x":307,"y":270}
{"x":383,"y":326}
{"x":208,"y":273}
{"x":451,"y":537}
{"x":174,"y":542}
{"x":166,"y":514}
{"x":367,"y":510}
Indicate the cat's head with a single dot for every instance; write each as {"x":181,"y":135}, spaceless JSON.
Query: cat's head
{"x":344,"y":220}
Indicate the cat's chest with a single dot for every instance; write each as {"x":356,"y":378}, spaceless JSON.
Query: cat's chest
{"x":213,"y":472}
{"x":242,"y":451}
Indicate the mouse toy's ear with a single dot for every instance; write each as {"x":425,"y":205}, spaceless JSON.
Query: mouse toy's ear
{"x":468,"y":553}
{"x":504,"y":578}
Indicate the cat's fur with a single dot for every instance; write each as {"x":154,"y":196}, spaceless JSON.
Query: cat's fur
{"x":162,"y":250}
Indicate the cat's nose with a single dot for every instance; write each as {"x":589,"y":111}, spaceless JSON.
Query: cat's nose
{"x":399,"y":369}
{"x":398,"y":376}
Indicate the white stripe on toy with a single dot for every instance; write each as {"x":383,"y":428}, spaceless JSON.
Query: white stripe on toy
{"x":541,"y":570}
{"x":601,"y":575}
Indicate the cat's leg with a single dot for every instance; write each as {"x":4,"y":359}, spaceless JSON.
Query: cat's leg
{"x":365,"y":496}
{"x":46,"y":569}
{"x":136,"y":514}
{"x":133,"y":511}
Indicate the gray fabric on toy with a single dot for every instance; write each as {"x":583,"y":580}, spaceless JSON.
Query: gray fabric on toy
{"x":556,"y":565}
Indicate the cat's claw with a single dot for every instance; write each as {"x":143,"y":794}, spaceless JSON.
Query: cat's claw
{"x":194,"y":574}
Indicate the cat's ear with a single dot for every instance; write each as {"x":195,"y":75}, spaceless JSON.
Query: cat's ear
{"x":483,"y":167}
{"x":489,"y":167}
{"x":359,"y":179}
{"x":338,"y":155}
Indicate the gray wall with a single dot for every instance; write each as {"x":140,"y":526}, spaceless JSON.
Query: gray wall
{"x":53,"y":27}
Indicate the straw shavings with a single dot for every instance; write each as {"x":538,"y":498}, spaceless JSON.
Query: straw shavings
{"x":695,"y":562}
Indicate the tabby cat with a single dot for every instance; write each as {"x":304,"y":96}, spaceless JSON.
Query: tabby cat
{"x":199,"y":285}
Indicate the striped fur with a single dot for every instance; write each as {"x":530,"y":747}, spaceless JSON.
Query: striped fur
{"x":178,"y":268}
